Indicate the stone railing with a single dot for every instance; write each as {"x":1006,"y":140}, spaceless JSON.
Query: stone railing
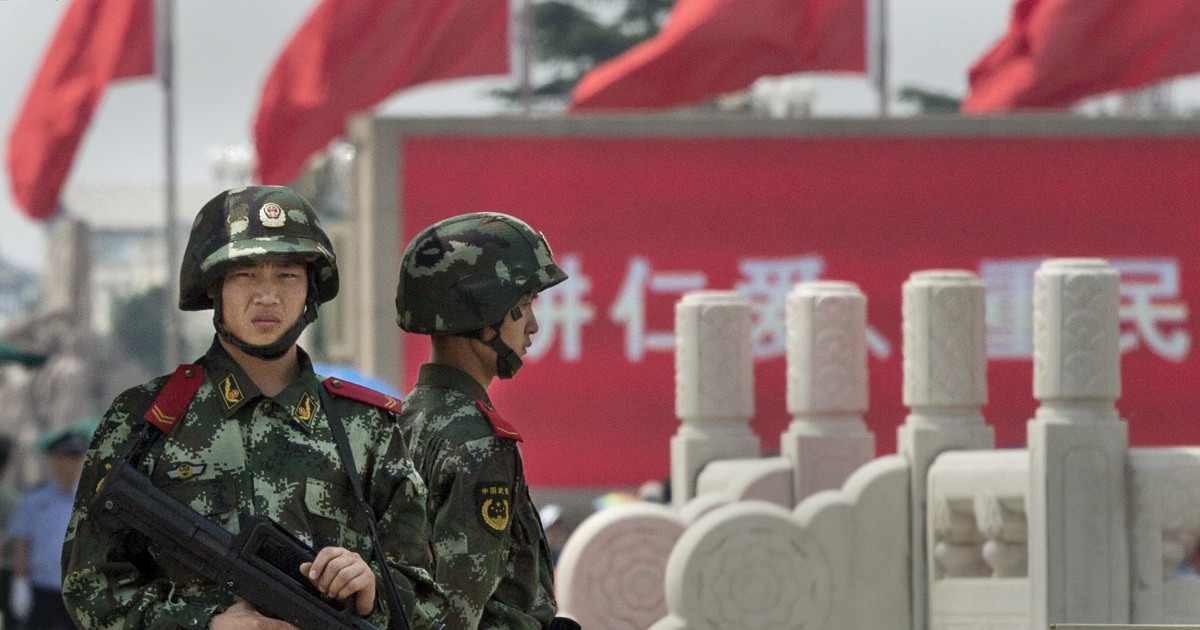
{"x":1165,"y":494}
{"x":946,"y":534}
{"x":714,"y":453}
{"x":977,"y":534}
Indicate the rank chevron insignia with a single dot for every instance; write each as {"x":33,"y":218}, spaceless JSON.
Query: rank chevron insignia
{"x":170,"y":404}
{"x":354,"y":391}
{"x":160,"y":417}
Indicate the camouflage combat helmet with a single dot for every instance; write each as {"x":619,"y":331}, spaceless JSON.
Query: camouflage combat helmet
{"x":468,"y":272}
{"x":241,"y":225}
{"x":250,"y":222}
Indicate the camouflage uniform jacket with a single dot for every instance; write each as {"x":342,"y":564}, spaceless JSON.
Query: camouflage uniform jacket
{"x":489,"y":550}
{"x":238,"y":452}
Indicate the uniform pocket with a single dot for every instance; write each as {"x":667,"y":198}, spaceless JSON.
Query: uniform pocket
{"x":214,"y":499}
{"x":335,"y":516}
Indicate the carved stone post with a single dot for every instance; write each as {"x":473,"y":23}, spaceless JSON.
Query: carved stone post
{"x":827,"y":439}
{"x":714,"y":386}
{"x":1078,"y":447}
{"x":945,"y":384}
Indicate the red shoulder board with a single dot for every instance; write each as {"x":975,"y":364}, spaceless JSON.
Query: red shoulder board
{"x":176,"y":395}
{"x":354,"y":391}
{"x":501,"y":426}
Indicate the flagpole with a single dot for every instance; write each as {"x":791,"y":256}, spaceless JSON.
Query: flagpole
{"x":525,"y":40}
{"x":878,"y":47}
{"x":166,"y":73}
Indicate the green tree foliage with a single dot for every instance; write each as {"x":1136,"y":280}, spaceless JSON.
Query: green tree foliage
{"x":572,"y":37}
{"x":138,"y":327}
{"x":929,"y":102}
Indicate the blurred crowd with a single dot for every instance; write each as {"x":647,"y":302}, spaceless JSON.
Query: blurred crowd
{"x":33,"y":522}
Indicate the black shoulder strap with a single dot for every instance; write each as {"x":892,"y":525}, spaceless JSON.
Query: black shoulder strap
{"x":139,"y":444}
{"x":398,"y":617}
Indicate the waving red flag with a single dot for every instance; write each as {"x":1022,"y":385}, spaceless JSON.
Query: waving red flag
{"x":96,"y":42}
{"x":709,"y":47}
{"x":350,"y":54}
{"x":1059,"y":51}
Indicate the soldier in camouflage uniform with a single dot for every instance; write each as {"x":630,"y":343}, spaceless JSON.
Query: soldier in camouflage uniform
{"x":469,"y":282}
{"x":243,"y":432}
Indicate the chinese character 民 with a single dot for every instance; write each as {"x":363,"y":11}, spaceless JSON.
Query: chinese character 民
{"x":1150,"y":303}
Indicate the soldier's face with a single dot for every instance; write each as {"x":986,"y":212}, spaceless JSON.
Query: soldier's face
{"x":518,"y":333}
{"x":261,"y":301}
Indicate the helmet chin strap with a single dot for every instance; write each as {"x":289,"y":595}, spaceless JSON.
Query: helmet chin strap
{"x":507,"y":361}
{"x":279,"y":347}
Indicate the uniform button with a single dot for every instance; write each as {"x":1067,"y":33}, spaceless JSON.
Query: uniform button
{"x":337,"y":383}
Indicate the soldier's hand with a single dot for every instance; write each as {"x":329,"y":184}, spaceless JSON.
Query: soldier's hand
{"x":243,"y":616}
{"x":340,"y":573}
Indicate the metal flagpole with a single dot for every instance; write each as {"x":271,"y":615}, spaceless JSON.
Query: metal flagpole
{"x":526,"y":41}
{"x":878,"y":50}
{"x":172,"y":332}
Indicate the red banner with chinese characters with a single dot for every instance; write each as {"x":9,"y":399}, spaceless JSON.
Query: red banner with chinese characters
{"x":637,"y":222}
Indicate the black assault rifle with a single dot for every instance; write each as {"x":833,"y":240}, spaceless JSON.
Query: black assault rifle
{"x":261,"y":564}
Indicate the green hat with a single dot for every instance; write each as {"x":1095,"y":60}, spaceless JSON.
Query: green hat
{"x":243,"y":224}
{"x":467,"y":272}
{"x":71,"y":439}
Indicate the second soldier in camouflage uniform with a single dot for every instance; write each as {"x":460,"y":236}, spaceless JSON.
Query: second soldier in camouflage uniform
{"x":246,"y":434}
{"x":469,"y":282}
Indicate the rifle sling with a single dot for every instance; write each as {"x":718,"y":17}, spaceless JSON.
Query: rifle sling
{"x":398,"y":617}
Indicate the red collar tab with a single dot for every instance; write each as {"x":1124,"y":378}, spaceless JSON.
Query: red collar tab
{"x":501,"y":426}
{"x":354,"y":391}
{"x":166,"y":410}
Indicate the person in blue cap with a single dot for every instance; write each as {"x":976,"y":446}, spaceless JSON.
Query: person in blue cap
{"x":37,"y":529}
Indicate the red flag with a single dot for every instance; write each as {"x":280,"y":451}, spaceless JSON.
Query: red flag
{"x":1059,"y":51}
{"x":709,"y":47}
{"x":350,"y":54}
{"x":96,"y":42}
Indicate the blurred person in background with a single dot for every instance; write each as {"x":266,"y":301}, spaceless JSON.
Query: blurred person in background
{"x":37,"y":528}
{"x":8,"y":503}
{"x":469,"y":282}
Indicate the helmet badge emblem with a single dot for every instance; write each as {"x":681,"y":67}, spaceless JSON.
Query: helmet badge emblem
{"x":271,"y":215}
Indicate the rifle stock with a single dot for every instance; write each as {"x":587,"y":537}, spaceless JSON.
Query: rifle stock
{"x":261,"y":565}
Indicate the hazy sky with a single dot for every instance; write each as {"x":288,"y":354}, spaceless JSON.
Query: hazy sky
{"x":224,"y":49}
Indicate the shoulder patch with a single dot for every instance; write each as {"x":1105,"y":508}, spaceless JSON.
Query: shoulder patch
{"x":493,"y":505}
{"x":176,"y":395}
{"x":354,"y":391}
{"x":501,"y":426}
